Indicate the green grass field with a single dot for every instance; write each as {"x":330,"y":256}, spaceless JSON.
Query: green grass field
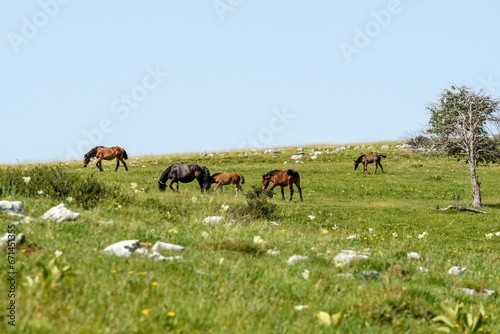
{"x":226,"y":282}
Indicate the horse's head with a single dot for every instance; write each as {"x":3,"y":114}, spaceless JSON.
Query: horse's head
{"x":265,"y":180}
{"x":162,"y":185}
{"x":356,"y":163}
{"x":86,"y":160}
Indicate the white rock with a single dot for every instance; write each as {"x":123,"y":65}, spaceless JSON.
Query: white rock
{"x":213,"y":220}
{"x":11,"y":237}
{"x":12,"y":206}
{"x":123,"y":248}
{"x":455,"y":270}
{"x":413,"y":255}
{"x":60,"y":213}
{"x":273,"y":252}
{"x":347,"y":256}
{"x":158,"y":257}
{"x":297,"y":156}
{"x":301,"y":307}
{"x":296,"y":258}
{"x":159,"y":245}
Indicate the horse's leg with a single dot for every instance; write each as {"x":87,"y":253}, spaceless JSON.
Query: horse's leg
{"x":282,"y":193}
{"x":291,"y":191}
{"x":99,"y":164}
{"x":274,"y":186}
{"x":117,"y":163}
{"x":124,"y":164}
{"x":297,"y":183}
{"x":382,"y":168}
{"x":171,"y":187}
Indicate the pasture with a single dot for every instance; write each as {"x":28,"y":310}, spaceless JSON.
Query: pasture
{"x":227,"y":280}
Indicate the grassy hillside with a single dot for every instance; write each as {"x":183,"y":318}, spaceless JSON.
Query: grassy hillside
{"x":226,"y":281}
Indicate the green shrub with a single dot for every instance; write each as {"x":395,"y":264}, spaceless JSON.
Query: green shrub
{"x":56,"y":183}
{"x":257,"y":204}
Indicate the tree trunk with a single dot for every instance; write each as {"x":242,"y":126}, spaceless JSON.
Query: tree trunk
{"x":476,"y":191}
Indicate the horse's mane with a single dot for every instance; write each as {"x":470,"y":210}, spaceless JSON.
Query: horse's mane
{"x":273,"y":172}
{"x":216,"y":174}
{"x":92,"y":152}
{"x":360,"y":157}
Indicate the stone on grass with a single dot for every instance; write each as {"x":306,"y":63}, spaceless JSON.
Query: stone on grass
{"x":160,"y":245}
{"x":12,"y":238}
{"x":296,"y":258}
{"x":12,"y":206}
{"x":158,"y":257}
{"x":456,"y":270}
{"x":60,"y":213}
{"x":347,"y":256}
{"x":413,"y":255}
{"x":213,"y":220}
{"x":124,"y":248}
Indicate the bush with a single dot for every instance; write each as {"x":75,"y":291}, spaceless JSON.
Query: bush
{"x":257,"y":204}
{"x":56,"y":183}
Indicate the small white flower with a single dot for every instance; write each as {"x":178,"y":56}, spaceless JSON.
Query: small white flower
{"x":489,"y":235}
{"x":395,"y":235}
{"x":421,"y":236}
{"x":370,"y":230}
{"x":258,"y":240}
{"x":39,"y":192}
{"x":352,"y":237}
{"x":305,"y":274}
{"x":194,"y":199}
{"x":224,"y":207}
{"x":58,"y":253}
{"x":221,"y":261}
{"x":26,"y":179}
{"x":335,"y":227}
{"x":497,"y":234}
{"x":204,"y":234}
{"x":133,"y":185}
{"x":301,"y":307}
{"x":311,"y":217}
{"x":413,"y":255}
{"x":70,"y":199}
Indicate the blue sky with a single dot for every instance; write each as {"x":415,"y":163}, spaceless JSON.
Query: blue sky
{"x":159,"y":77}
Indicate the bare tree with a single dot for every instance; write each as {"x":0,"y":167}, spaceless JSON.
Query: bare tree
{"x":463,"y":119}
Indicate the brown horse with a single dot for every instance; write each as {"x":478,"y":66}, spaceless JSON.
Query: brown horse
{"x":282,"y":178}
{"x":223,"y":179}
{"x":366,"y":159}
{"x":106,"y":153}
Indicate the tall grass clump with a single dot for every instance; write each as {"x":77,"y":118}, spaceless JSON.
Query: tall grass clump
{"x":56,"y":183}
{"x":257,"y":206}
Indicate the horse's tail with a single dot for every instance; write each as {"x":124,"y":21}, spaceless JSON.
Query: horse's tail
{"x":293,"y":173}
{"x":242,"y":179}
{"x":125,"y":155}
{"x":207,"y":179}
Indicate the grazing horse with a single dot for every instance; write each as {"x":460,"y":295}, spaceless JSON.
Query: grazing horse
{"x":366,"y":159}
{"x":282,"y":178}
{"x":106,"y":153}
{"x":185,"y":173}
{"x":223,"y":179}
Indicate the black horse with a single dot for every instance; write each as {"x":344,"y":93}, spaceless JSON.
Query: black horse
{"x":185,"y":173}
{"x":366,"y":159}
